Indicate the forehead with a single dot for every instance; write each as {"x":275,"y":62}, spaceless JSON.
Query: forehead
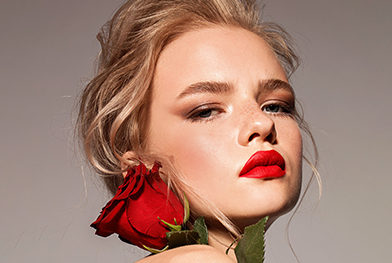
{"x":220,"y":54}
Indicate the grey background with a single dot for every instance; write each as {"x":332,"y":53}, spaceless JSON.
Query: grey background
{"x":47,"y":49}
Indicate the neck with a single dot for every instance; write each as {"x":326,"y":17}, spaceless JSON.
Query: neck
{"x":221,"y":239}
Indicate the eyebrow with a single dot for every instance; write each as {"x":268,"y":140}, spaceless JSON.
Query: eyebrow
{"x":207,"y":87}
{"x":275,"y":84}
{"x":225,"y":87}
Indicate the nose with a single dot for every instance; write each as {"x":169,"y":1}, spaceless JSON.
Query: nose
{"x":257,"y":127}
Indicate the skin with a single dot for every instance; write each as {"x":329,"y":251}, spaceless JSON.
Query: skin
{"x":211,"y":133}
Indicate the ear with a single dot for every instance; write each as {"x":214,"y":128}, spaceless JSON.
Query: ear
{"x":129,"y":158}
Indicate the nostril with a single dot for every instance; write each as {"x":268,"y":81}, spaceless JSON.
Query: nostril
{"x":254,"y":135}
{"x":271,"y":137}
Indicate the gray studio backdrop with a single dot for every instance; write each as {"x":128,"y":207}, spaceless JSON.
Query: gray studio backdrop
{"x":47,"y":49}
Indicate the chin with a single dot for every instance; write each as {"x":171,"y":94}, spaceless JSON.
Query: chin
{"x":276,"y":208}
{"x":284,"y":209}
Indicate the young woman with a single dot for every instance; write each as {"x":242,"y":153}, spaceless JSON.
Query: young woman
{"x":200,"y":87}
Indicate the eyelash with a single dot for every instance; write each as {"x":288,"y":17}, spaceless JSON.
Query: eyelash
{"x":284,"y":108}
{"x":206,"y":109}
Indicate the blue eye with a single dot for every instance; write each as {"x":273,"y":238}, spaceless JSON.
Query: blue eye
{"x":278,"y":108}
{"x":204,"y":113}
{"x":273,"y":108}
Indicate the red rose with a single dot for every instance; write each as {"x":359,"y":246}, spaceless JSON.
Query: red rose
{"x":134,"y":210}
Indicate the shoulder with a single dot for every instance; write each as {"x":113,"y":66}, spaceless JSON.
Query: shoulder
{"x":190,"y":254}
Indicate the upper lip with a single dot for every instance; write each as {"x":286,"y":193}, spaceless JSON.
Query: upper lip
{"x":263,"y":158}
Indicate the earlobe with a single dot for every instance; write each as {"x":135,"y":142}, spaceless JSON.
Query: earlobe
{"x":129,"y":159}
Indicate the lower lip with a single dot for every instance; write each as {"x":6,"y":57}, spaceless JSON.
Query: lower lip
{"x":265,"y":172}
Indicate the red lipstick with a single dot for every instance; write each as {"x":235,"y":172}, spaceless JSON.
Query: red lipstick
{"x":264,"y":165}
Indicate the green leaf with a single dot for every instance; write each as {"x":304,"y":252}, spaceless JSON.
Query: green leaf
{"x":251,"y":247}
{"x":235,"y":241}
{"x":186,"y":210}
{"x":171,"y":226}
{"x":156,"y":251}
{"x":200,"y":227}
{"x":182,"y":238}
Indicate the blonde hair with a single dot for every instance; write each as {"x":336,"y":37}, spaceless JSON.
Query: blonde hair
{"x":113,"y":112}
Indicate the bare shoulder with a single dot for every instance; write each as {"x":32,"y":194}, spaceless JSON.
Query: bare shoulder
{"x":190,"y":254}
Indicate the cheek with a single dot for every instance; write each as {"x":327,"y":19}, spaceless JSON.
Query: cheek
{"x":199,"y":153}
{"x":294,"y":148}
{"x":185,"y":146}
{"x":291,"y":140}
{"x":298,"y":146}
{"x":194,"y":150}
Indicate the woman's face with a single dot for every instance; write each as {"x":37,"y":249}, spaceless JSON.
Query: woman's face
{"x":219,"y":96}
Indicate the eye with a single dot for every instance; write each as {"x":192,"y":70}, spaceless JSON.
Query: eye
{"x":204,"y":113}
{"x":273,"y":108}
{"x":278,"y":108}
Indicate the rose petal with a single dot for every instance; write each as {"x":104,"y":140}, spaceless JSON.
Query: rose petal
{"x":143,"y":210}
{"x":133,"y":212}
